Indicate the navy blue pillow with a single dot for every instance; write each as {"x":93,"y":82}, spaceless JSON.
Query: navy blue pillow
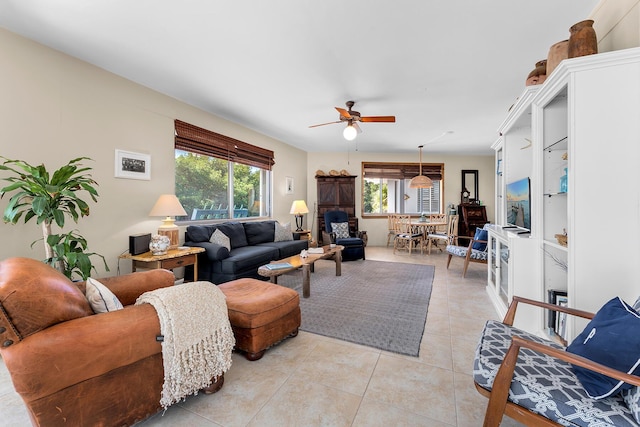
{"x":611,"y":338}
{"x":481,"y":234}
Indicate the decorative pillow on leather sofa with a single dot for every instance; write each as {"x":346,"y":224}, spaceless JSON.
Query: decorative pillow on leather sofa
{"x":101,"y":299}
{"x":610,"y":339}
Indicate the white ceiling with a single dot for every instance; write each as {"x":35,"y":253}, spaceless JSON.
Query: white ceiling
{"x":280,"y":66}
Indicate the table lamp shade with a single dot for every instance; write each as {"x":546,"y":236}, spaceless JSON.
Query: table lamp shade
{"x":168,"y":206}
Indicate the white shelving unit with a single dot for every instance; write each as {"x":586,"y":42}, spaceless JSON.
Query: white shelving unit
{"x":512,"y":255}
{"x":585,"y":121}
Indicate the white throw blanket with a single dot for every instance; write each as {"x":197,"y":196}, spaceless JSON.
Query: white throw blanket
{"x":198,"y":339}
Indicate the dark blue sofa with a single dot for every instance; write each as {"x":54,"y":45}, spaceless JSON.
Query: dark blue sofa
{"x":252,"y":245}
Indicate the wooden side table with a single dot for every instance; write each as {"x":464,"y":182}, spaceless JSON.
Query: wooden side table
{"x":304,"y":234}
{"x":174,"y":258}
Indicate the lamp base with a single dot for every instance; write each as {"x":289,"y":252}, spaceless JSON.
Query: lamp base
{"x":172,"y":234}
{"x":299,"y":222}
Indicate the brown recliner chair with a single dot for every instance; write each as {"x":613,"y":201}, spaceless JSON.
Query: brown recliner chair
{"x":75,"y":368}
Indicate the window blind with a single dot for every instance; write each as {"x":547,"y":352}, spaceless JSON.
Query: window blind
{"x":202,"y":141}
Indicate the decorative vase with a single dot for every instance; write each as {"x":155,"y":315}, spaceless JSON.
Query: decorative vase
{"x":557,"y":53}
{"x":159,"y":244}
{"x":582,"y":39}
{"x":563,"y":181}
{"x":538,"y":75}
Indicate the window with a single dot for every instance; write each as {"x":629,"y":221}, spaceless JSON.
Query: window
{"x":218,"y":177}
{"x":385,"y":189}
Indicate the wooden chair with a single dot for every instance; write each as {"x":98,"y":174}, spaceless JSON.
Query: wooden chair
{"x":476,"y":251}
{"x":405,"y":236}
{"x":512,"y":369}
{"x":391,"y":219}
{"x":450,"y":235}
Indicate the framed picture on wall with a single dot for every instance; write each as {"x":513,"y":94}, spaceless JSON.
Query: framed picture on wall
{"x":131,"y":165}
{"x":289,"y":185}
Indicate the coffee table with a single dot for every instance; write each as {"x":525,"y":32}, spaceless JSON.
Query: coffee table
{"x":297,"y":261}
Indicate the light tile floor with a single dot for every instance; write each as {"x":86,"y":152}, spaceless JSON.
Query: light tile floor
{"x":313,"y":380}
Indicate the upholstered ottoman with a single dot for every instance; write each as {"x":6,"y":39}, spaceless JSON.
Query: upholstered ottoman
{"x":261,"y":314}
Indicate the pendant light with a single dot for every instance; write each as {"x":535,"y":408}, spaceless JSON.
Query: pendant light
{"x":420,"y":181}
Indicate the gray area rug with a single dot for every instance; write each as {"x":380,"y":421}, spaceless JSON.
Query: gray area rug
{"x":374,"y":303}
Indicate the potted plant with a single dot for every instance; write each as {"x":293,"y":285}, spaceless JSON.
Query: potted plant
{"x":50,"y":198}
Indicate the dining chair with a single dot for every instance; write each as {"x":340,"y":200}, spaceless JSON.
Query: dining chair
{"x":405,"y":236}
{"x":449,"y":236}
{"x":391,"y":219}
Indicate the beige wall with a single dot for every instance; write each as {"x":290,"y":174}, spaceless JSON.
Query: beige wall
{"x":377,"y":227}
{"x":617,"y":24}
{"x":55,"y":108}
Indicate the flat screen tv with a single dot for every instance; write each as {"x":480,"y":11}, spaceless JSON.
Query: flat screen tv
{"x":519,"y":203}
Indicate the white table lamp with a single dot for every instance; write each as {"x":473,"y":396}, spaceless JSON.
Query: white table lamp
{"x":168,"y":206}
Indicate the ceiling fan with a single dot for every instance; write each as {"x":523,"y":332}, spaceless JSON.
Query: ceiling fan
{"x":352,"y":118}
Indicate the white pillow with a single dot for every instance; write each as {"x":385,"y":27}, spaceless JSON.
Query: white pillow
{"x":341,"y":229}
{"x":219,"y":238}
{"x":283,"y":232}
{"x":100,"y":298}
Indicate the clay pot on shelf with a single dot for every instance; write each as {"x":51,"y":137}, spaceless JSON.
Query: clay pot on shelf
{"x":557,"y":53}
{"x":582,"y":39}
{"x":538,"y":75}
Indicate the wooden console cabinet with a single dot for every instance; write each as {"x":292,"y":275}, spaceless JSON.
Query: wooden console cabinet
{"x":472,"y":216}
{"x":336,"y":193}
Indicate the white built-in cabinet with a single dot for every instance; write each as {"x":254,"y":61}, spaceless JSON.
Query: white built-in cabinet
{"x":510,"y":252}
{"x":584,"y":121}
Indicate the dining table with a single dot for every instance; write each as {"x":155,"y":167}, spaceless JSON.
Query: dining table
{"x":426,"y":227}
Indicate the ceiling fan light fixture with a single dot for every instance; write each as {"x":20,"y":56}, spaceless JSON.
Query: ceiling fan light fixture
{"x":350,"y":132}
{"x":420,"y":181}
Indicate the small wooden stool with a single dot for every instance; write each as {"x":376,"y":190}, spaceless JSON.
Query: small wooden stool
{"x":261,"y":314}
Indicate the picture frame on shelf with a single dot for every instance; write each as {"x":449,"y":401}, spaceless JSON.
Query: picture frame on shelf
{"x":130,"y":165}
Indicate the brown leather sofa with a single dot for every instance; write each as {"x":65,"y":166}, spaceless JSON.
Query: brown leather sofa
{"x":70,"y":366}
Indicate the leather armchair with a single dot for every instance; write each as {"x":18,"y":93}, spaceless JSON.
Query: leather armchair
{"x":70,"y":366}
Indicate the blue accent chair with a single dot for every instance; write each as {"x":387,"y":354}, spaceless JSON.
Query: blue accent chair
{"x":353,"y":245}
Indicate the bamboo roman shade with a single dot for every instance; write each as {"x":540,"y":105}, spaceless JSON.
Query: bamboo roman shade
{"x":202,"y":141}
{"x":401,"y":170}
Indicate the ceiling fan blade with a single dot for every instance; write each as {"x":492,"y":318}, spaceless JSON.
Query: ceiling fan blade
{"x":387,"y":119}
{"x":323,"y":124}
{"x":355,"y":125}
{"x":344,"y":113}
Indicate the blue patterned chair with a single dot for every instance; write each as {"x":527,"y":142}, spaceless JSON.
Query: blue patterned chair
{"x":475,"y":251}
{"x":340,"y":234}
{"x":530,"y":379}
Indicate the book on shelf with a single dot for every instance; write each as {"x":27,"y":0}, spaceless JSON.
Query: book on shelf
{"x":278,"y":266}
